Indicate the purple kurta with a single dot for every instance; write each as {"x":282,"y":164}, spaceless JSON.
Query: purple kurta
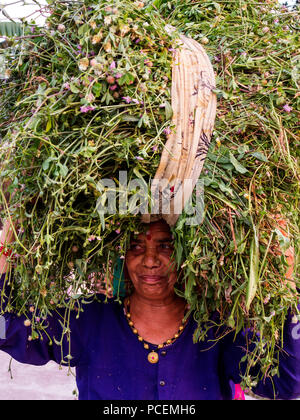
{"x":111,"y":364}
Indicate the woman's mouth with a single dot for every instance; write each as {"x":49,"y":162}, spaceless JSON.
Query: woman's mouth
{"x":151,"y":279}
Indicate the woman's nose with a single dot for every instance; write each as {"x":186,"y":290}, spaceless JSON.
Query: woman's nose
{"x":150,"y":258}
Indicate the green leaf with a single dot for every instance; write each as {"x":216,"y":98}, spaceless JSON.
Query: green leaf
{"x":74,"y":88}
{"x":48,"y":126}
{"x":268,"y":318}
{"x":46,"y":163}
{"x":217,"y":158}
{"x":122,"y":80}
{"x":284,"y":241}
{"x":168,"y":110}
{"x":231,"y":322}
{"x":238,"y":167}
{"x":63,"y":169}
{"x":129,"y":118}
{"x":144,"y":120}
{"x":97,"y":89}
{"x":127,"y":79}
{"x":253,"y":274}
{"x":130,"y":78}
{"x":179,"y":253}
{"x":225,"y":188}
{"x":218,"y":7}
{"x":48,"y":239}
{"x":76,"y":296}
{"x":34,"y":335}
{"x":87,"y":151}
{"x":259,"y":156}
{"x":78,"y":264}
{"x":83,"y":29}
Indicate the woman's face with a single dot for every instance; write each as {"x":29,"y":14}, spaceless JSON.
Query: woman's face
{"x":149,"y":263}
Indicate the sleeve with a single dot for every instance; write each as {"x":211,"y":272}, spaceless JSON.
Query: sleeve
{"x":285,"y":385}
{"x":53,"y":341}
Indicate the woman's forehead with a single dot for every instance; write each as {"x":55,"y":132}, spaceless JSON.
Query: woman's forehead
{"x":156,"y":229}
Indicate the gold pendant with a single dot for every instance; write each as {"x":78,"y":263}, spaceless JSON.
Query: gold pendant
{"x":153,"y":357}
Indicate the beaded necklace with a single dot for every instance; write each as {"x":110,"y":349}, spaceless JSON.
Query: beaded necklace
{"x":153,"y":355}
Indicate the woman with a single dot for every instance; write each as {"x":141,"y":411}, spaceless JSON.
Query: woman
{"x":143,"y":349}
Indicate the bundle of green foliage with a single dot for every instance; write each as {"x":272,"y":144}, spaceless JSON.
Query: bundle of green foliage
{"x":89,"y":96}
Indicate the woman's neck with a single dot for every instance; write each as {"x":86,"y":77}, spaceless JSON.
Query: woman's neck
{"x":156,"y":320}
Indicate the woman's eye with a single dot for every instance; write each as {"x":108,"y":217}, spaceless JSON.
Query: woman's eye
{"x":166,"y":246}
{"x":142,"y":248}
{"x":135,"y":247}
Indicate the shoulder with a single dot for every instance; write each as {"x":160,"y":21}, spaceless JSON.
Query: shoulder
{"x":96,"y":306}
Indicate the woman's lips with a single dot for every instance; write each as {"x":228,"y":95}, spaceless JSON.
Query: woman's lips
{"x":151,"y":279}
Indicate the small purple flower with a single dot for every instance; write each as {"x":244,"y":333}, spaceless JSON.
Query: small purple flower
{"x":66,"y":86}
{"x":139,"y":158}
{"x":79,"y":49}
{"x":113,"y":87}
{"x":127,"y":99}
{"x":154,"y":148}
{"x":112,"y":65}
{"x":287,"y":108}
{"x":117,"y":231}
{"x":137,"y":40}
{"x":136,"y":101}
{"x":167,"y":131}
{"x":92,"y":238}
{"x":118,"y":75}
{"x":32,"y":29}
{"x":86,"y":108}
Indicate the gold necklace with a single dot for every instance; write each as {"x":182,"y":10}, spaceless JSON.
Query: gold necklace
{"x":153,"y":355}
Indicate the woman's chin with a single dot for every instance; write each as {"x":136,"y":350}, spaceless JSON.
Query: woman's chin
{"x":155,"y":291}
